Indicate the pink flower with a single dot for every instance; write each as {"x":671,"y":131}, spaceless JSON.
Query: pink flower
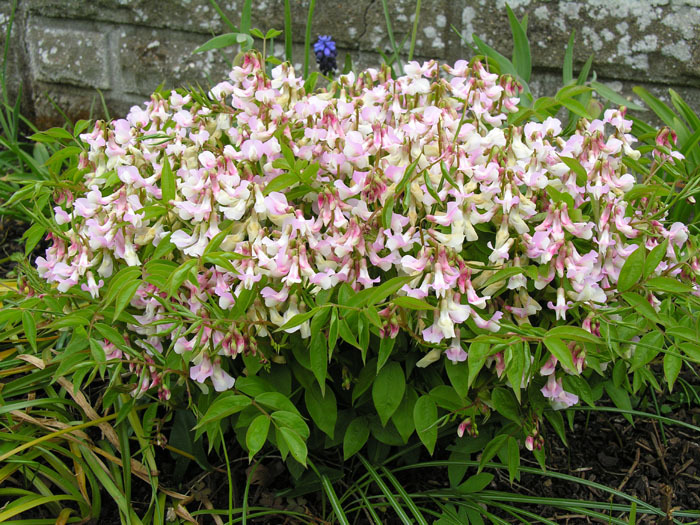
{"x":203,"y":370}
{"x":562,"y":305}
{"x":558,"y":397}
{"x":455,"y":352}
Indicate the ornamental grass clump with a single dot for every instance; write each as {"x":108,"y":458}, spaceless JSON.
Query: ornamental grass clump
{"x":359,"y":234}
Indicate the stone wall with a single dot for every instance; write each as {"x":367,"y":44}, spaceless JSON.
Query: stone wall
{"x":63,"y":51}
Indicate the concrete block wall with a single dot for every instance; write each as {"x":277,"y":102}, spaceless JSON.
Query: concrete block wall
{"x":63,"y":51}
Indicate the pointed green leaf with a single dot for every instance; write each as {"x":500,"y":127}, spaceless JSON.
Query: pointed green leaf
{"x":559,"y":350}
{"x":631,"y":272}
{"x":355,"y":437}
{"x":388,"y":389}
{"x":323,"y":409}
{"x":672,"y":367}
{"x":226,"y":404}
{"x":256,"y":435}
{"x":425,"y":418}
{"x":295,"y":443}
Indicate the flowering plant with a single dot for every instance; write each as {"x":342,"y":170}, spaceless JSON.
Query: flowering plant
{"x":360,"y":241}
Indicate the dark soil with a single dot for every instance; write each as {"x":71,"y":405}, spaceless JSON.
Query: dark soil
{"x":658,"y":464}
{"x":11,"y":231}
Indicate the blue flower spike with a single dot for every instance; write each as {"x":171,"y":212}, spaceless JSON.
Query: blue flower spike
{"x":326,"y":53}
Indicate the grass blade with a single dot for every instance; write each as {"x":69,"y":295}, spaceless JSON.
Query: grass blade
{"x":307,"y":37}
{"x":288,"y":31}
{"x":245,"y":17}
{"x":404,"y":495}
{"x":223,"y":16}
{"x":665,"y":113}
{"x":390,"y":33}
{"x":521,"y":47}
{"x":415,"y":31}
{"x":386,"y":492}
{"x":333,"y":498}
{"x":568,"y":69}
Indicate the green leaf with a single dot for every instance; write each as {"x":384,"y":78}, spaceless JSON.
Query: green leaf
{"x":225,"y":40}
{"x":559,"y":350}
{"x":502,"y":275}
{"x":516,"y":356}
{"x":572,"y":90}
{"x":298,"y":319}
{"x":118,"y":281}
{"x":403,"y":417}
{"x":614,"y":96}
{"x":376,"y":294}
{"x":425,"y":418}
{"x":32,"y":237}
{"x":672,"y":367}
{"x":124,"y":297}
{"x":654,"y":258}
{"x":557,"y":422}
{"x":631,"y":272}
{"x":281,"y":182}
{"x":666,"y":284}
{"x":167,"y":181}
{"x":458,"y":373}
{"x":620,"y":398}
{"x":491,"y":449}
{"x":559,"y":196}
{"x":642,"y":306}
{"x":180,"y":275}
{"x":276,"y":401}
{"x":476,"y":483}
{"x":226,"y":404}
{"x":505,"y":404}
{"x":387,"y":212}
{"x":347,"y":335}
{"x":683,"y":332}
{"x":164,"y":247}
{"x":388,"y":389}
{"x":29,"y":327}
{"x":333,"y":332}
{"x":310,"y":172}
{"x":503,"y":63}
{"x":647,"y":349}
{"x":574,"y":333}
{"x":355,"y":437}
{"x":579,"y":386}
{"x":478,"y":352}
{"x":575,"y":107}
{"x":386,"y":345}
{"x":293,"y":421}
{"x":51,"y":133}
{"x":404,"y":182}
{"x":513,"y":459}
{"x":295,"y":443}
{"x":256,"y":435}
{"x":111,"y":334}
{"x":568,"y":67}
{"x":318,"y":357}
{"x":575,"y":166}
{"x":665,"y":113}
{"x":412,"y":303}
{"x":323,"y":409}
{"x":521,"y":47}
{"x":429,"y":186}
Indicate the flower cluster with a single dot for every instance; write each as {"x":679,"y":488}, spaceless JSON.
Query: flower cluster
{"x":419,"y":176}
{"x":326,"y":53}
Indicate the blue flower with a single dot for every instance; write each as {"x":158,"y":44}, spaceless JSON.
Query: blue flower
{"x":326,"y":53}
